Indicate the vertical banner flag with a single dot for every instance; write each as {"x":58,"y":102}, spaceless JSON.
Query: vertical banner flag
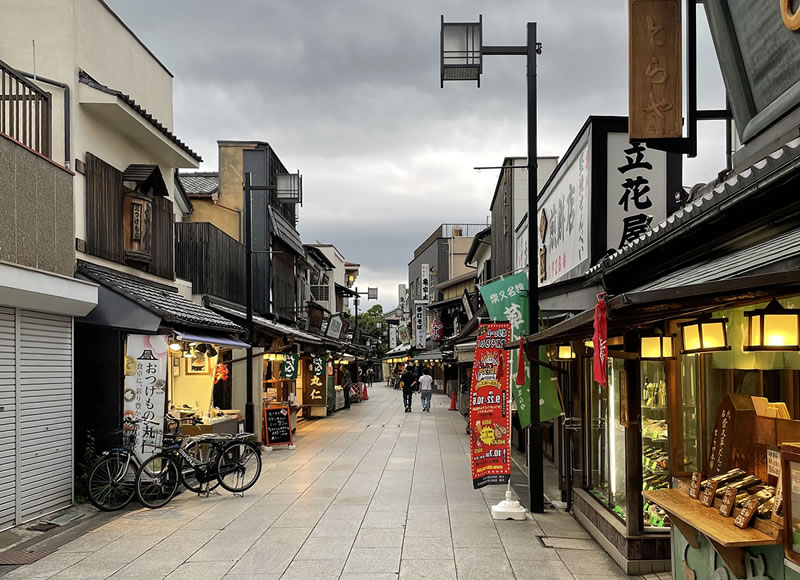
{"x":507,"y":299}
{"x":392,"y":337}
{"x":420,"y":323}
{"x":490,"y":407}
{"x":145,"y":389}
{"x":600,"y":340}
{"x":289,"y":366}
{"x":316,"y":394}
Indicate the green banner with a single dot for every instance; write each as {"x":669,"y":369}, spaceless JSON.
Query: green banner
{"x":507,"y":299}
{"x":289,"y":366}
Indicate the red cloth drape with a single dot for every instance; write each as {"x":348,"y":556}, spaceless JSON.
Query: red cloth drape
{"x":600,"y":340}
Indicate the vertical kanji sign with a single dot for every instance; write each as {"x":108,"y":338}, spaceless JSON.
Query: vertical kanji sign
{"x":655,"y":69}
{"x":145,"y":389}
{"x":289,"y":366}
{"x":490,"y":407}
{"x":315,"y":392}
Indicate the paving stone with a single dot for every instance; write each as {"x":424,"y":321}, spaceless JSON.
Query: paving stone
{"x":487,"y":561}
{"x":438,"y":569}
{"x":540,"y":570}
{"x":200,"y":571}
{"x":373,"y":560}
{"x":380,"y":538}
{"x":313,"y":570}
{"x":585,"y":562}
{"x":427,"y":549}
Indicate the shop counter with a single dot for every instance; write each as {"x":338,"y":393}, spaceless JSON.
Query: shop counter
{"x":339,"y":398}
{"x":228,"y":426}
{"x":697,"y":530}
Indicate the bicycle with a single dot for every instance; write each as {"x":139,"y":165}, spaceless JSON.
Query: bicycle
{"x":226,"y":460}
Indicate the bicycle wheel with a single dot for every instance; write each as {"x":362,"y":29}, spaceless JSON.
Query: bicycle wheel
{"x":157,"y":481}
{"x":112,"y":482}
{"x":239,"y":466}
{"x":206,"y":453}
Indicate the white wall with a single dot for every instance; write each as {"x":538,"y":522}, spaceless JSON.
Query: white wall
{"x":546,"y":166}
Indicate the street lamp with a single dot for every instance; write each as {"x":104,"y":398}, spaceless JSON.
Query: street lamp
{"x":461,"y":58}
{"x":372,"y":294}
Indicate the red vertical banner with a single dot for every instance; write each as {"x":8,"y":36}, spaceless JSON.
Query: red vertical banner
{"x":490,"y":407}
{"x":600,"y":340}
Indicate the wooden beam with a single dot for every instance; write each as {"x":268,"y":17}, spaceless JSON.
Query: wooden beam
{"x":733,"y":557}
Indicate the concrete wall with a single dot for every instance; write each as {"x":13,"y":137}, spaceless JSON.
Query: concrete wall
{"x":546,"y":166}
{"x":457,"y":290}
{"x":226,"y":219}
{"x":36,"y":227}
{"x":459,"y":248}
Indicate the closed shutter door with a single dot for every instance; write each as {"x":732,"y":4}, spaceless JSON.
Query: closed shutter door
{"x":8,"y":441}
{"x":45,"y":413}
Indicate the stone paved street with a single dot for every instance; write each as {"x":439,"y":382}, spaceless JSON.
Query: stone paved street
{"x":369,"y":494}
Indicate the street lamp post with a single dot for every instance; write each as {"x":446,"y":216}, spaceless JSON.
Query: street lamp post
{"x":462,"y":52}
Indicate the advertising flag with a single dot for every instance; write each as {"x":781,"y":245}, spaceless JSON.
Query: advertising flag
{"x":490,"y":407}
{"x":145,"y":389}
{"x":600,"y":340}
{"x":289,"y":366}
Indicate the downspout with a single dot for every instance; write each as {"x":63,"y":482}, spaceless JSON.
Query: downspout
{"x":65,"y":88}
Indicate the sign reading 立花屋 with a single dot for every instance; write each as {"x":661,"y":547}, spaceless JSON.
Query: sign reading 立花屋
{"x":490,"y":407}
{"x":655,"y":69}
{"x":145,"y":389}
{"x":425,"y":282}
{"x":420,"y":323}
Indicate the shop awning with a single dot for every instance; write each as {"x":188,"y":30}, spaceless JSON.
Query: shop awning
{"x":644,"y":308}
{"x":271,"y":326}
{"x":212,"y":339}
{"x":429,"y":355}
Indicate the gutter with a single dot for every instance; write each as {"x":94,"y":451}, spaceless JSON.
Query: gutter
{"x":65,"y":88}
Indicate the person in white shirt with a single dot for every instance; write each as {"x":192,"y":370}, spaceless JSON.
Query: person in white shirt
{"x":425,"y":381}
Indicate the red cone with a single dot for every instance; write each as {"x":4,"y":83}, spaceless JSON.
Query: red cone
{"x":453,"y":402}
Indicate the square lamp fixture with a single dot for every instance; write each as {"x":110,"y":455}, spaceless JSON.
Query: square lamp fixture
{"x":461,"y":51}
{"x":656,"y":347}
{"x":773,"y":328}
{"x":565,"y":352}
{"x":289,"y":187}
{"x":705,"y":334}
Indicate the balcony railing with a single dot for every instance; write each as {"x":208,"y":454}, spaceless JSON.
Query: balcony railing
{"x":25,"y":111}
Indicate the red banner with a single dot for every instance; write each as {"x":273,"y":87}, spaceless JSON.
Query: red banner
{"x":490,"y":407}
{"x":600,"y":340}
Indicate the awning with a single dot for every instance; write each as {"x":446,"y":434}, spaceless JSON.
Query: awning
{"x":429,"y":355}
{"x":212,"y":339}
{"x":285,"y":232}
{"x":644,"y":308}
{"x":270,"y":326}
{"x":343,"y":290}
{"x":33,"y":289}
{"x":401,"y":349}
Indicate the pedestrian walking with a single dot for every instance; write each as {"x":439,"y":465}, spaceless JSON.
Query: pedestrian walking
{"x":370,"y":376}
{"x":347,"y":384}
{"x":408,"y":380}
{"x":425,"y":382}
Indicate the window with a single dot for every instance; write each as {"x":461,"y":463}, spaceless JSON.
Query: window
{"x":320,"y":292}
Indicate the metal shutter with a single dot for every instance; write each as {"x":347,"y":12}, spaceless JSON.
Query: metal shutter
{"x":45,"y":417}
{"x":8,"y":439}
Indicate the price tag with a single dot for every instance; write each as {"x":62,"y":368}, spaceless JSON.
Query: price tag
{"x":747,"y":513}
{"x":707,"y":497}
{"x":728,"y":499}
{"x":694,"y":487}
{"x":776,"y":507}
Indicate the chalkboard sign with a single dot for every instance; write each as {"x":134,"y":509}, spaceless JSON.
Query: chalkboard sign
{"x":747,"y":513}
{"x":707,"y":497}
{"x":278,"y":426}
{"x":728,"y":499}
{"x":694,"y":487}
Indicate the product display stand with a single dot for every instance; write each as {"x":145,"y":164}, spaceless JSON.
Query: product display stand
{"x":508,"y":509}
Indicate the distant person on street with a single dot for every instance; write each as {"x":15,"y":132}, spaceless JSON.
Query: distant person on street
{"x":347,"y":383}
{"x":370,"y":376}
{"x":425,"y":381}
{"x":408,"y":380}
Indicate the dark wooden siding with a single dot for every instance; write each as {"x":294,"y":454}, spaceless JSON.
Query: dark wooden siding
{"x":284,"y":283}
{"x":163,"y":263}
{"x":212,"y":260}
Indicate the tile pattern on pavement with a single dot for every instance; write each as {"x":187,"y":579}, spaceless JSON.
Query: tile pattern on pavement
{"x":371,"y":493}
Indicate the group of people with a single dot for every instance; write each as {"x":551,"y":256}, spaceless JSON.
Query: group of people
{"x":347,"y":382}
{"x":411,"y":381}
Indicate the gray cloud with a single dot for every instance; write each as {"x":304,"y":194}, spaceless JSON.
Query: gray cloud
{"x":348,"y":92}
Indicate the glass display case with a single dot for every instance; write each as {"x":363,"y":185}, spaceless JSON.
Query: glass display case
{"x":790,"y":465}
{"x":655,"y":438}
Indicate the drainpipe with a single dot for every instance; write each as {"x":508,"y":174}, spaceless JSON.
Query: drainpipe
{"x":65,"y":88}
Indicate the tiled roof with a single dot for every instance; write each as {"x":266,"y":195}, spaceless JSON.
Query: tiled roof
{"x":162,"y":300}
{"x":86,"y":79}
{"x":708,"y":197}
{"x":200,"y":183}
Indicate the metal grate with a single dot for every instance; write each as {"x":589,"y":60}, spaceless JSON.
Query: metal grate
{"x":19,"y":557}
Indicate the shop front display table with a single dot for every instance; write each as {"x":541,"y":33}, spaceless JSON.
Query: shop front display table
{"x":690,"y":517}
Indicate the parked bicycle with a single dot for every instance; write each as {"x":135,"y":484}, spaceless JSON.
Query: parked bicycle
{"x":230,"y":461}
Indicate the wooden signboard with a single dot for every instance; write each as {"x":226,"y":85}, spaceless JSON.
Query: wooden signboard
{"x":655,"y":104}
{"x":709,"y":493}
{"x":694,"y":487}
{"x":728,"y":501}
{"x":277,"y":426}
{"x":747,"y":513}
{"x":733,"y":436}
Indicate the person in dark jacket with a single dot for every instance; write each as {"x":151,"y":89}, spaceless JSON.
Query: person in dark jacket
{"x":409,"y":381}
{"x":347,"y":382}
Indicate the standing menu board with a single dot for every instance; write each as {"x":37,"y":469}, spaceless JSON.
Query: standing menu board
{"x":277,"y":426}
{"x":490,"y":407}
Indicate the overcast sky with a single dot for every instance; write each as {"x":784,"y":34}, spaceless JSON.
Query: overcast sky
{"x":347,"y":91}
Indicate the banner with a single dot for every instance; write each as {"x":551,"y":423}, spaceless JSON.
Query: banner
{"x":392,"y":337}
{"x":145,"y":388}
{"x":316,"y":394}
{"x":490,"y":407}
{"x":289,"y":366}
{"x":425,"y":282}
{"x":420,"y":323}
{"x":600,"y":341}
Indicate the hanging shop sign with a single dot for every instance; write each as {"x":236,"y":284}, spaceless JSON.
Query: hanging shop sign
{"x":315,"y":393}
{"x":145,"y":389}
{"x":437,"y":330}
{"x":490,"y":407}
{"x":758,"y":49}
{"x":466,"y":302}
{"x":392,"y":337}
{"x":425,"y":282}
{"x":420,"y":323}
{"x":404,"y":334}
{"x":289,"y":366}
{"x":521,"y":246}
{"x":335,"y":324}
{"x":655,"y":69}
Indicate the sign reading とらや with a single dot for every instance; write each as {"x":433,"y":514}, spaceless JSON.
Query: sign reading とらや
{"x":490,"y":407}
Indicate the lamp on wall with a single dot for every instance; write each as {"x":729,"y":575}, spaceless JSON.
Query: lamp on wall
{"x":588,"y":343}
{"x":773,"y":328}
{"x":657,"y":347}
{"x":705,"y":334}
{"x":565,"y":352}
{"x":175,"y":346}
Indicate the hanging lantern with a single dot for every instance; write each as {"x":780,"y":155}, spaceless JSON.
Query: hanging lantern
{"x":565,"y":352}
{"x":705,"y":334}
{"x":588,"y":343}
{"x":773,"y":328}
{"x":656,"y":347}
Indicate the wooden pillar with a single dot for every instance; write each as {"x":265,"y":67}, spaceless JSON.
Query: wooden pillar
{"x":633,"y":438}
